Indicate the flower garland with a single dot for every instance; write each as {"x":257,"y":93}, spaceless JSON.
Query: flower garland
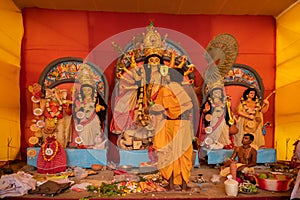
{"x":141,"y":115}
{"x":248,"y":109}
{"x":47,"y":151}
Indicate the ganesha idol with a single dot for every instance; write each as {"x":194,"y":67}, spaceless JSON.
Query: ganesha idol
{"x":53,"y":106}
{"x":51,"y":127}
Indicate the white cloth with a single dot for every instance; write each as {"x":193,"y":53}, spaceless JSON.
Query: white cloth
{"x":17,"y":184}
{"x":296,"y":191}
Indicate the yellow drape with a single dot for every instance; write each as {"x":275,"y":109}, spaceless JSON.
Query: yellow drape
{"x":11,"y":33}
{"x":287,"y":109}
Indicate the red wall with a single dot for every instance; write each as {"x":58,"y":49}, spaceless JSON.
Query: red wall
{"x":51,"y":34}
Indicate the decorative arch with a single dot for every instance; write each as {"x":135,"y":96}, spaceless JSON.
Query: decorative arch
{"x":65,"y":70}
{"x":246,"y":76}
{"x":242,"y":75}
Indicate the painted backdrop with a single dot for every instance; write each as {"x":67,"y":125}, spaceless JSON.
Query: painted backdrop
{"x":51,"y":34}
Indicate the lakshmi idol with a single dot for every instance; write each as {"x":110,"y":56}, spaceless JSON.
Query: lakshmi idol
{"x":87,"y":106}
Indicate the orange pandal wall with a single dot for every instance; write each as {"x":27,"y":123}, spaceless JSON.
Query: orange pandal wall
{"x":51,"y":34}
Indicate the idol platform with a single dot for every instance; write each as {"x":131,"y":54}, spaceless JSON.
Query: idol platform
{"x":86,"y":157}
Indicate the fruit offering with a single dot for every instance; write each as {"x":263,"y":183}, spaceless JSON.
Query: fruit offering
{"x":276,"y":182}
{"x":247,"y":188}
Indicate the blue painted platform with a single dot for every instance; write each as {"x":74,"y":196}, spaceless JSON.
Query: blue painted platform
{"x":76,"y":157}
{"x":86,"y":157}
{"x":134,"y":157}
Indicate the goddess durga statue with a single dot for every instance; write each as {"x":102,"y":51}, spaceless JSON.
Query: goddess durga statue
{"x":139,"y":78}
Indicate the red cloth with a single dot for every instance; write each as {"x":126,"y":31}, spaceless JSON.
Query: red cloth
{"x":55,"y":165}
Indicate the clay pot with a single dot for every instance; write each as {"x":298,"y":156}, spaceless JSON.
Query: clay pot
{"x":96,"y":167}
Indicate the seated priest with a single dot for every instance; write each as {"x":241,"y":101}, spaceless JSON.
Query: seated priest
{"x":246,"y":155}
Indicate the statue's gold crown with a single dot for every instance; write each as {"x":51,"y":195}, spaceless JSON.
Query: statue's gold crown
{"x":85,"y":75}
{"x":216,"y":84}
{"x":152,"y":43}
